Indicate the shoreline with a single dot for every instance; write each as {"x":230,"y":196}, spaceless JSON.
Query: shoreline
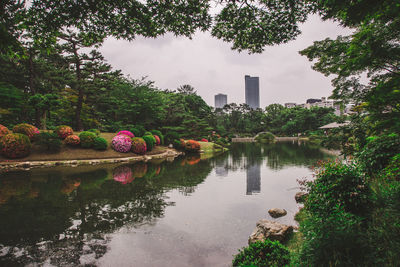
{"x":169,"y":154}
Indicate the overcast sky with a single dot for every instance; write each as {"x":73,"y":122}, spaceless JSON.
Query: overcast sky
{"x":211,"y":67}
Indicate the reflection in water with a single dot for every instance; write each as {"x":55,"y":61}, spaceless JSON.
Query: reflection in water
{"x":68,"y":216}
{"x":253,"y":179}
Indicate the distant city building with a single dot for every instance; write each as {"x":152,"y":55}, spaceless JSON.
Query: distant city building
{"x":290,"y":105}
{"x":221,"y":100}
{"x":252,"y":91}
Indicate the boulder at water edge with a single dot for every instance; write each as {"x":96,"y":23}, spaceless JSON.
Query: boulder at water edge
{"x":300,"y":197}
{"x":275,"y":213}
{"x":270,"y":230}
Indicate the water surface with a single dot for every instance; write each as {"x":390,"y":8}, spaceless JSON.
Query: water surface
{"x":189,"y":212}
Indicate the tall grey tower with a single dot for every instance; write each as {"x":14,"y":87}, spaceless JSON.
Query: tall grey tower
{"x":221,"y":100}
{"x":252,"y":91}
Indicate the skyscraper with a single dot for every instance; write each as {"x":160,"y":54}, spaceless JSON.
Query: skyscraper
{"x":221,"y":100}
{"x":252,"y":91}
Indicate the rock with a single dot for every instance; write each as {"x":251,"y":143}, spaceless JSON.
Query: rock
{"x":300,"y":197}
{"x":275,"y":213}
{"x":170,"y":146}
{"x":270,"y":230}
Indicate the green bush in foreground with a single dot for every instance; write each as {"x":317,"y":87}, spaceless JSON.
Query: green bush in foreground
{"x":150,"y":142}
{"x":263,"y":254}
{"x":87,"y":139}
{"x":100,"y":143}
{"x":49,"y":141}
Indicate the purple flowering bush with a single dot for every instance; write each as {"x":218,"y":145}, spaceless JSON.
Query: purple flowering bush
{"x":121,"y":143}
{"x":128,"y":133}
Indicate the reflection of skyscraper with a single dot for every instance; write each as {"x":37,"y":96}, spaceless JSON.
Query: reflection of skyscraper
{"x":252,"y":91}
{"x":221,"y":100}
{"x":253,"y":174}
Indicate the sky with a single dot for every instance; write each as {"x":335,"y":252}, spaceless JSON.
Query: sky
{"x":211,"y":67}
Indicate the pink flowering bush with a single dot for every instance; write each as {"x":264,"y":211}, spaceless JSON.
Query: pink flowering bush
{"x":27,"y":129}
{"x":15,"y":145}
{"x":138,"y":145}
{"x":72,"y":140}
{"x":121,"y":143}
{"x":123,"y":174}
{"x":128,"y":133}
{"x":3,"y":130}
{"x":63,"y":131}
{"x":204,"y":140}
{"x":158,"y":141}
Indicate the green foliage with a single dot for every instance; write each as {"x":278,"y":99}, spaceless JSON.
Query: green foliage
{"x":96,"y":131}
{"x":263,"y":254}
{"x":170,"y":137}
{"x":100,"y":143}
{"x":15,"y":145}
{"x":392,"y":170}
{"x":87,"y":139}
{"x":379,"y":150}
{"x":49,"y":141}
{"x":147,"y":133}
{"x":150,"y":142}
{"x":266,"y":138}
{"x":159,"y":134}
{"x":135,"y":131}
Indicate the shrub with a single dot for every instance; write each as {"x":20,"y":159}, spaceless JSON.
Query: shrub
{"x":63,"y":131}
{"x":261,"y":254}
{"x":121,"y":143}
{"x":72,"y":140}
{"x":15,"y":145}
{"x":127,"y":133}
{"x":150,"y":142}
{"x":192,"y":146}
{"x":141,"y":130}
{"x":378,"y":151}
{"x":177,"y":144}
{"x":158,"y":141}
{"x":266,"y":138}
{"x":100,"y":143}
{"x":50,"y":141}
{"x":170,"y":137}
{"x":159,"y":134}
{"x":139,"y":146}
{"x":147,"y":133}
{"x":87,"y":139}
{"x":27,"y":129}
{"x":3,"y":130}
{"x":95,"y":131}
{"x":135,"y":131}
{"x":204,"y":140}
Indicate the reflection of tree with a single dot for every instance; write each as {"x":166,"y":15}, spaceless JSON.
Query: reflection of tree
{"x":72,"y":211}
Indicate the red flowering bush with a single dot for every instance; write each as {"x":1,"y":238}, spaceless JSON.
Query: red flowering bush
{"x":204,"y":140}
{"x":72,"y":140}
{"x":27,"y":129}
{"x":63,"y":131}
{"x":121,"y":143}
{"x":192,"y":146}
{"x":3,"y":130}
{"x":128,"y":133}
{"x":158,"y":141}
{"x":123,"y":174}
{"x":183,"y":143}
{"x":138,"y":145}
{"x":15,"y":145}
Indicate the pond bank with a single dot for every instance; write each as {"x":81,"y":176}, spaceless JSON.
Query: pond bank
{"x":5,"y":166}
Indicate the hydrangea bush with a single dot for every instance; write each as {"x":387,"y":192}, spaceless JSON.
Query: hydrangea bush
{"x":121,"y":143}
{"x":3,"y":130}
{"x":72,"y":140}
{"x":15,"y":145}
{"x":192,"y":146}
{"x":128,"y":133}
{"x":87,"y":139}
{"x":63,"y":131}
{"x":27,"y":129}
{"x":139,"y":146}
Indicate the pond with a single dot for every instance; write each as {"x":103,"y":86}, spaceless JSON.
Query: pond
{"x":188,"y":212}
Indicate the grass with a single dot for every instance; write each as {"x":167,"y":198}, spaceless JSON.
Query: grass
{"x":78,"y":153}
